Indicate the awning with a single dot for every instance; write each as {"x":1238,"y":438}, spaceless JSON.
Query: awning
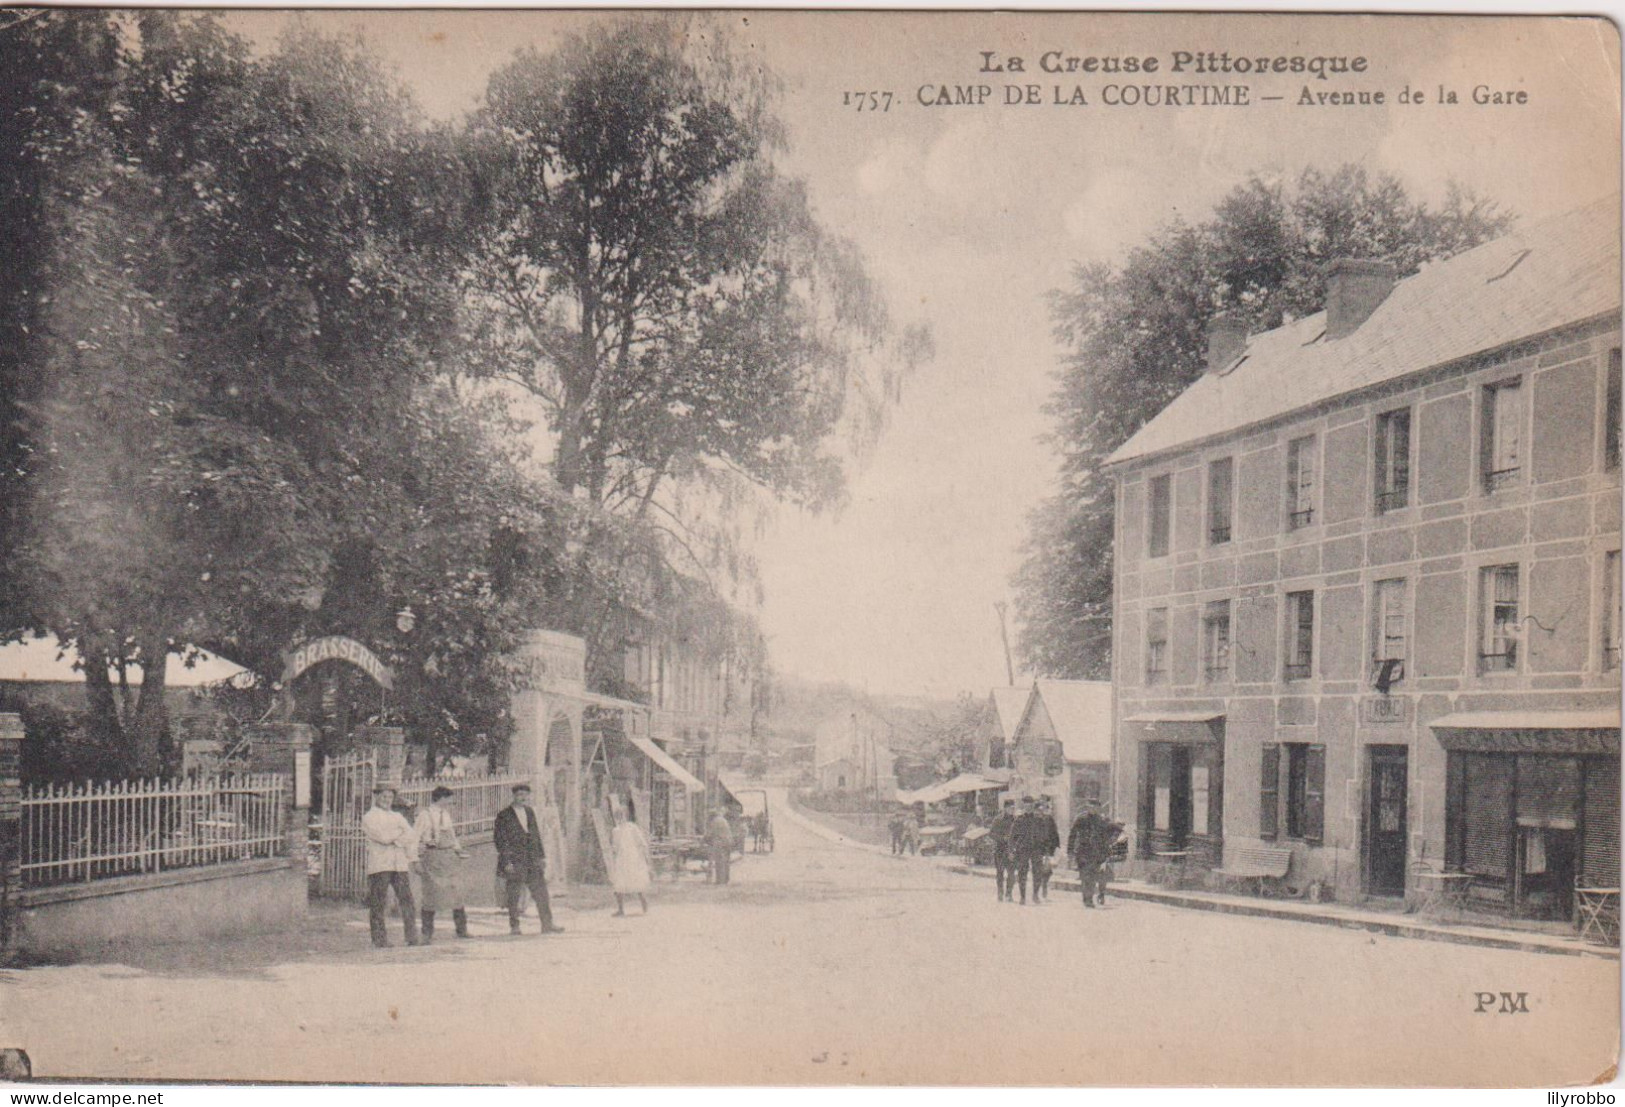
{"x":1554,"y":732}
{"x":931,"y":793}
{"x":667,"y":762}
{"x":1176,"y":726}
{"x":971,"y":782}
{"x":752,"y":798}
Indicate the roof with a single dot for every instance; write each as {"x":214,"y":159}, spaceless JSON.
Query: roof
{"x":1009,"y":704}
{"x":40,"y":660}
{"x":1530,"y":720}
{"x":1081,"y":712}
{"x":1554,"y":273}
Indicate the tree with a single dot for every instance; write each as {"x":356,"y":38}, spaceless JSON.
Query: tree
{"x":237,"y":297}
{"x":1133,"y":338}
{"x":692,"y":333}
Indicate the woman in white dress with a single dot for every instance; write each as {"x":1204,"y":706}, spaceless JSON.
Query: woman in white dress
{"x":630,"y":865}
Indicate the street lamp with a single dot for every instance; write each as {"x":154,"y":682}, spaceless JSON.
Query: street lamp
{"x":405,"y":620}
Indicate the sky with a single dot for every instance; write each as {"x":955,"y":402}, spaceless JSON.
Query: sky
{"x":970,"y":214}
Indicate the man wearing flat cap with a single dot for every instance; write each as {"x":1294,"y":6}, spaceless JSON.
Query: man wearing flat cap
{"x":520,"y":857}
{"x":1004,"y":866}
{"x":389,"y":859}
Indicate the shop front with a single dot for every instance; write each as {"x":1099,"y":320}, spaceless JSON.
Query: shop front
{"x":1532,"y":806}
{"x":1181,"y":786}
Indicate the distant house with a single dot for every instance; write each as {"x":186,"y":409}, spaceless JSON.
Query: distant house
{"x":1061,"y":746}
{"x":1003,"y":712}
{"x":863,"y":739}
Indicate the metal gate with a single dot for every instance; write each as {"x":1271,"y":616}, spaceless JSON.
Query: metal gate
{"x":347,"y":782}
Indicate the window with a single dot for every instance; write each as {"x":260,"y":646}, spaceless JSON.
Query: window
{"x":1610,"y":610}
{"x":1156,"y":646}
{"x":1611,"y":413}
{"x":1300,"y":482}
{"x":1269,"y":792}
{"x":1498,"y":640}
{"x":1220,"y":485}
{"x":1300,"y":635}
{"x":1501,"y":435}
{"x":1387,"y":634}
{"x":1161,"y":507}
{"x":1216,"y":640}
{"x":1305,"y":791}
{"x":1054,"y":757}
{"x":1393,"y":460}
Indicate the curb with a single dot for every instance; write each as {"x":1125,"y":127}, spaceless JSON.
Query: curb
{"x":1421,"y":931}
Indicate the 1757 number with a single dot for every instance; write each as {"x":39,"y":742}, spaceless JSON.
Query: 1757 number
{"x":867,"y":101}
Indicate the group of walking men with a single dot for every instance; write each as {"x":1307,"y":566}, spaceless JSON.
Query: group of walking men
{"x":1024,"y":842}
{"x":394,"y":845}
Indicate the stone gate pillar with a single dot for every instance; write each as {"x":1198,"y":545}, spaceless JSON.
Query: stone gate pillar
{"x":389,"y":744}
{"x":11,"y":830}
{"x":285,"y":748}
{"x":555,"y":665}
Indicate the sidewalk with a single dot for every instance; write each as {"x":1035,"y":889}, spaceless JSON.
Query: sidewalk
{"x":1336,"y":914}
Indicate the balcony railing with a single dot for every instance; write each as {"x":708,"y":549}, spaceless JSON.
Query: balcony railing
{"x":1499,"y":662}
{"x":1302,"y":518}
{"x":1298,"y":670}
{"x":1218,"y":534}
{"x":1497,"y":479}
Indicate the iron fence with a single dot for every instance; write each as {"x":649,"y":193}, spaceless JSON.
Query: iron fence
{"x":78,"y":833}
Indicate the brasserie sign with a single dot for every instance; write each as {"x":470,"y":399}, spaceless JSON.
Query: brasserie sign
{"x":335,"y":648}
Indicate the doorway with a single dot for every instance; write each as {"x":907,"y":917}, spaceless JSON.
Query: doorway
{"x":1387,"y":820}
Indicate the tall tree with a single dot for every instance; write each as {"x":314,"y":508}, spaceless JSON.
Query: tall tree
{"x":1133,"y":338}
{"x":240,"y":300}
{"x":668,"y":297}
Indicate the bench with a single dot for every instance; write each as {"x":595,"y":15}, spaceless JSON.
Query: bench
{"x":1258,"y":863}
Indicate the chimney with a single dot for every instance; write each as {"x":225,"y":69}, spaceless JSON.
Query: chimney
{"x":1354,"y":289}
{"x":1226,"y":339}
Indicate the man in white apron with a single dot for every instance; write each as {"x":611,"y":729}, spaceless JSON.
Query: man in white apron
{"x":440,"y":857}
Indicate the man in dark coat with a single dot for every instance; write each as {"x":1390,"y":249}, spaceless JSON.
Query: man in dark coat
{"x":1090,"y":846}
{"x":518,"y":835}
{"x":1029,"y":844}
{"x":1051,"y":843}
{"x":1004,"y":869}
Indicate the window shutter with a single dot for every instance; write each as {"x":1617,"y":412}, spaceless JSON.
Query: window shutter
{"x":1400,"y":428}
{"x":1269,"y":792}
{"x":1314,"y":794}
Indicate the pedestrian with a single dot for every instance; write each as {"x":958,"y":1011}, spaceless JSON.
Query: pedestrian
{"x":1110,"y":835}
{"x":1052,"y":842}
{"x":895,"y":825}
{"x":389,"y":860}
{"x":1027,"y":845}
{"x":1089,"y":843}
{"x":440,"y":861}
{"x":521,"y":859}
{"x":911,"y":832}
{"x":719,"y":840}
{"x":1003,"y":864}
{"x":630,"y":861}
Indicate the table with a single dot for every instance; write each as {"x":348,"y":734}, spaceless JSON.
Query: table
{"x":1450,"y":890}
{"x":1174,"y":862}
{"x":1596,"y":914}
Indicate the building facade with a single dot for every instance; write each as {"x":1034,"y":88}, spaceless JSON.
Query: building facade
{"x":1367,"y":603}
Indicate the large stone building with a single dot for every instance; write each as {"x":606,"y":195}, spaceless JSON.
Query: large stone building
{"x":1368,"y":582}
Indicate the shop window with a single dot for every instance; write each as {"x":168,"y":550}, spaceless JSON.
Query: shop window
{"x":1300,"y":482}
{"x":1393,"y":460}
{"x":1500,"y":625}
{"x":1610,"y":610}
{"x":1220,"y":500}
{"x":1156,"y":646}
{"x":1305,"y":791}
{"x":1387,"y":634}
{"x":1161,"y":516}
{"x":1501,"y":434}
{"x":1216,"y":641}
{"x":1300,"y":635}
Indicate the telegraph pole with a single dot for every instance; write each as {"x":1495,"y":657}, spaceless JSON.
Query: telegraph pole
{"x":1004,"y":636}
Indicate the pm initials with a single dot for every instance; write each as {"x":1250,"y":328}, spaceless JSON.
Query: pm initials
{"x":1512,"y":1003}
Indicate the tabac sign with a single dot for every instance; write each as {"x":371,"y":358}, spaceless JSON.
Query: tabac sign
{"x":335,"y":649}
